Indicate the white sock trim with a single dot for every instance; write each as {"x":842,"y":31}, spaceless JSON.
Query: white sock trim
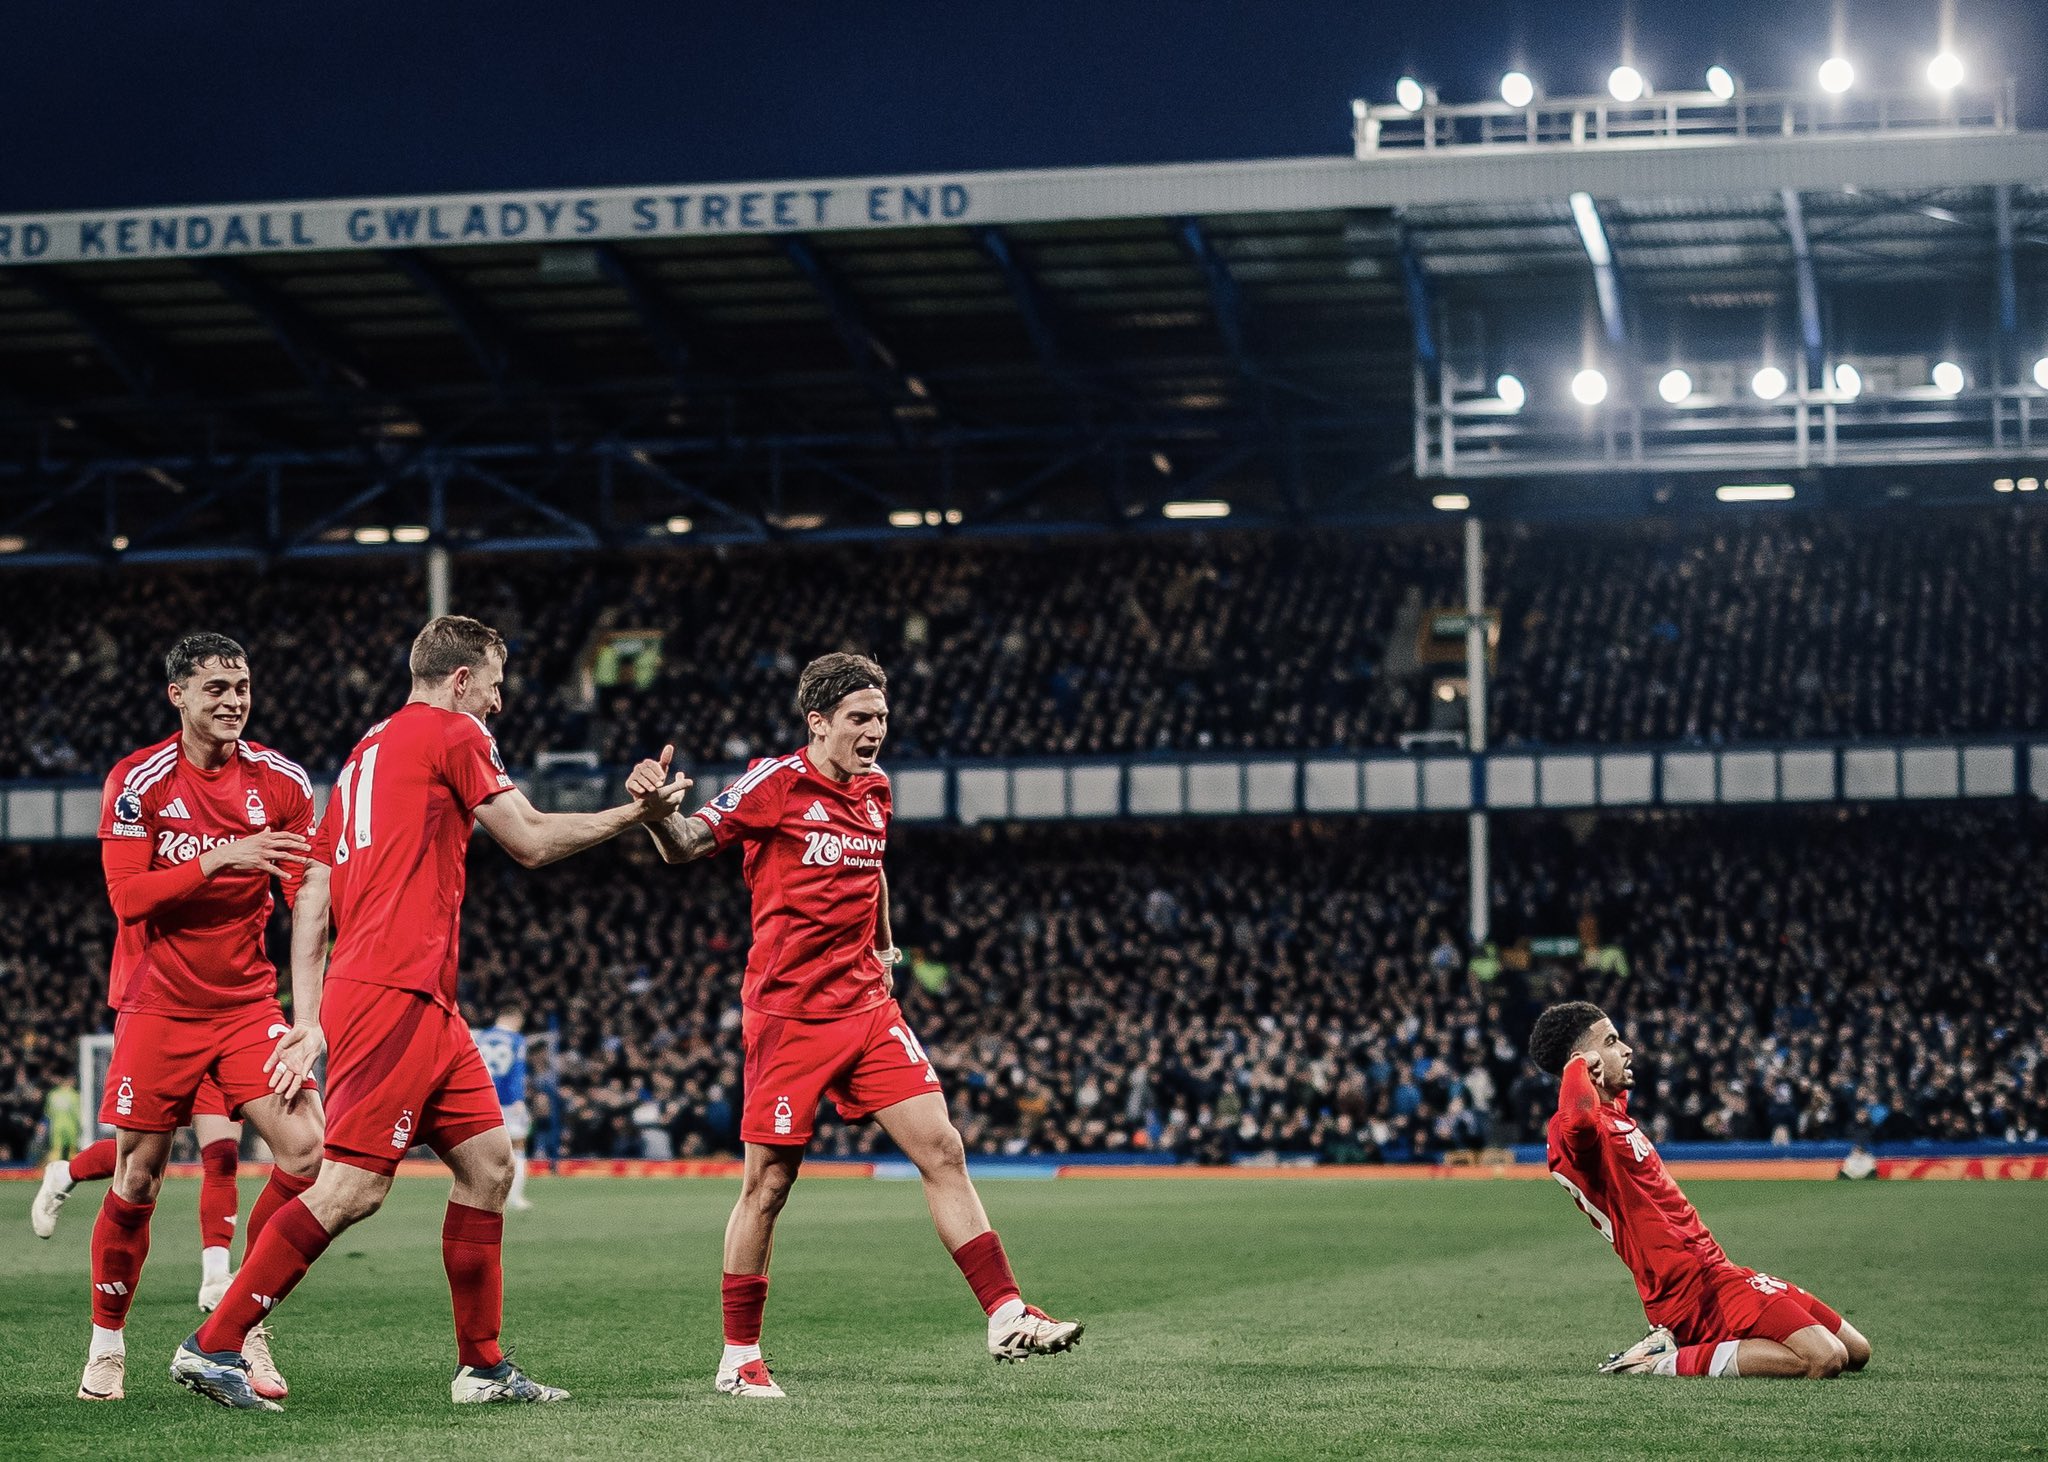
{"x":738,"y":1355}
{"x":107,"y":1342}
{"x":1667,"y":1365}
{"x":62,"y":1167}
{"x":213,"y":1262}
{"x":1723,"y":1363}
{"x":1009,"y":1310}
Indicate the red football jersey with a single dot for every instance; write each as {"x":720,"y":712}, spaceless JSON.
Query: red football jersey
{"x":814,"y":865}
{"x":194,"y":945}
{"x":1613,"y":1173}
{"x":396,"y":834}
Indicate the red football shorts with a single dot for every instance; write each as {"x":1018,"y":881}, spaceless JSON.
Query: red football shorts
{"x":401,"y":1070}
{"x":162,"y":1062}
{"x":210,"y":1101}
{"x":863,"y":1062}
{"x":1741,"y":1304}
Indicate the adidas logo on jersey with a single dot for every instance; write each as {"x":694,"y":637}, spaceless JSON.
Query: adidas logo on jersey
{"x":816,"y":813}
{"x":175,"y":808}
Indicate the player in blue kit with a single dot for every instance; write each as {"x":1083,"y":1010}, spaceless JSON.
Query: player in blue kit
{"x":503,"y":1047}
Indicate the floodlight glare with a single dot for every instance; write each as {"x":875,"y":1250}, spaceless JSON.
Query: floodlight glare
{"x":2041,"y":372}
{"x":1768,"y":383}
{"x":1450,"y":502}
{"x":1517,"y":90}
{"x":1625,"y":84}
{"x":1589,"y":387}
{"x":1408,"y":92}
{"x":1512,"y":393}
{"x":1848,"y":381}
{"x":1674,"y":386}
{"x":1948,"y":377}
{"x":1946,"y":71}
{"x":1721,"y":82}
{"x":1837,"y":75}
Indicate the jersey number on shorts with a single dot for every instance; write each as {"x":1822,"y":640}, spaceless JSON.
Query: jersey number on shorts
{"x":354,"y":788}
{"x":915,"y":1053}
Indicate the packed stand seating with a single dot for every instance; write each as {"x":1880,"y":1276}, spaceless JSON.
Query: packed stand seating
{"x":1298,"y":989}
{"x":1783,"y":627}
{"x":1786,"y":626}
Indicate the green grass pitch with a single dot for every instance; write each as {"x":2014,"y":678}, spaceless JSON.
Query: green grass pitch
{"x":1225,"y":1319}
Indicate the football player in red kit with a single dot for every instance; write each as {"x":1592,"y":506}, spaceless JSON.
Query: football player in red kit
{"x":389,"y":863}
{"x":818,"y":1018}
{"x":192,"y":830}
{"x":1709,"y":1316}
{"x":220,"y":1143}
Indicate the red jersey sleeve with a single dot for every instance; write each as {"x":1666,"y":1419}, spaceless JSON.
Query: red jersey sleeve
{"x":298,"y":818}
{"x":751,"y":807}
{"x":471,"y":765}
{"x":135,"y":890}
{"x":1577,"y":1102}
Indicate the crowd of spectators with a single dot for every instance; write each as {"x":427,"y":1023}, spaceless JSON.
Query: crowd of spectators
{"x":1789,"y":626}
{"x":1214,"y":991}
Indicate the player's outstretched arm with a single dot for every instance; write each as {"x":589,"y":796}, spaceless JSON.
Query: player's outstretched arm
{"x":537,"y":838}
{"x":679,"y":839}
{"x":298,"y":1049}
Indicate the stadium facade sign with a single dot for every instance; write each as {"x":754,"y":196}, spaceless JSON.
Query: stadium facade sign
{"x":1645,"y":169}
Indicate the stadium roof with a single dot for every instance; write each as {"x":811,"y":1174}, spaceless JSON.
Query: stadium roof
{"x":1010,"y":352}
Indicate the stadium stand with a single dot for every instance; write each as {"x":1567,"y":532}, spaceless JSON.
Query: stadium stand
{"x":1713,"y":631}
{"x":1289,"y":988}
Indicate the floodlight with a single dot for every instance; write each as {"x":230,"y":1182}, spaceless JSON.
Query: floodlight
{"x":1625,"y":84}
{"x":1408,"y":92}
{"x":1948,"y":377}
{"x":1589,"y":387}
{"x":1837,"y":75}
{"x":1848,"y":381}
{"x":2041,"y":372}
{"x":1768,"y":383}
{"x":1674,"y":386}
{"x":1721,"y":82}
{"x":1517,"y":90}
{"x":1946,"y":71}
{"x":1512,"y":393}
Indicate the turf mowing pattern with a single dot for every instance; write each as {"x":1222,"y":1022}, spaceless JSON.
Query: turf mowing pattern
{"x":1228,"y":1319}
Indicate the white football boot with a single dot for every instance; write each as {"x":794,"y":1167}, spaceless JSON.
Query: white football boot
{"x":213,"y":1291}
{"x":1642,"y":1357}
{"x":103,"y":1376}
{"x":1017,"y":1331}
{"x":483,"y":1385}
{"x":57,"y":1186}
{"x":750,"y":1378}
{"x":264,"y":1379}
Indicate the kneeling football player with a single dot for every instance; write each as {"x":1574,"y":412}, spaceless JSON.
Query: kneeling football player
{"x":1708,"y":1316}
{"x":818,"y":1018}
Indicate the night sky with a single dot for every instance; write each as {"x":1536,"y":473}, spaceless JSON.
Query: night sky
{"x":111,"y":103}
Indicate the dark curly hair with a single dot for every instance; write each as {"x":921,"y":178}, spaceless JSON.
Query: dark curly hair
{"x":183,"y":659}
{"x":1558,"y":1031}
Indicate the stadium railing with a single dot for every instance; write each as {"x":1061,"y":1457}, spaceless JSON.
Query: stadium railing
{"x":1279,"y":784}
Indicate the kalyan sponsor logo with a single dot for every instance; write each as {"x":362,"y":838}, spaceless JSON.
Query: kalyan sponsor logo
{"x":826,"y":850}
{"x":176,"y":847}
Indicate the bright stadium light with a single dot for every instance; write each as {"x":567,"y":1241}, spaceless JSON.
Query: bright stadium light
{"x":906,"y":518}
{"x":1948,"y":377}
{"x":1517,"y":90}
{"x":1200,"y":508}
{"x":1408,"y":92}
{"x":410,"y":533}
{"x":13,"y":543}
{"x":1848,"y":381}
{"x":1768,"y":383}
{"x":1674,"y":386}
{"x":2041,"y":372}
{"x":1837,"y":75}
{"x":120,"y":543}
{"x":1756,"y":492}
{"x":1721,"y":82}
{"x":679,"y":525}
{"x":1625,"y":84}
{"x":1512,"y":393}
{"x":2028,"y":484}
{"x":1589,"y":387}
{"x":373,"y":537}
{"x":1945,"y":71}
{"x":1450,"y":502}
{"x":2003,"y":484}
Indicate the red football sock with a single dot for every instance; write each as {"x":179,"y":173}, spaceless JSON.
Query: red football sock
{"x":472,"y":1242}
{"x":217,"y":1196}
{"x":94,"y":1163}
{"x":120,"y":1242}
{"x":987,"y":1269}
{"x":280,"y":1190}
{"x":292,"y":1240}
{"x":1693,"y":1360}
{"x":746,"y":1296}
